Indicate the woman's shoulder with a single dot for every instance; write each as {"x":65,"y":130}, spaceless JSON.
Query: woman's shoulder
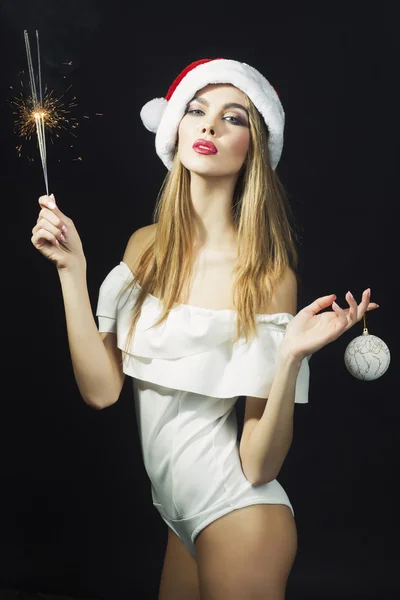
{"x":137,"y":243}
{"x":284,"y":298}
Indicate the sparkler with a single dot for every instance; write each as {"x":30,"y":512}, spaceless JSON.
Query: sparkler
{"x":42,"y":115}
{"x":38,"y":111}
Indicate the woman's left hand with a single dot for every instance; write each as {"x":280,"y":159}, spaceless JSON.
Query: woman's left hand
{"x":308,"y":331}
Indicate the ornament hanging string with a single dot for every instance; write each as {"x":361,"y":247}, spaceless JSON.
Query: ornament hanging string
{"x":38,"y":108}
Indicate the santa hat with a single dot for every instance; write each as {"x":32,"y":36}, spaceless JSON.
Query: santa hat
{"x":162,"y":115}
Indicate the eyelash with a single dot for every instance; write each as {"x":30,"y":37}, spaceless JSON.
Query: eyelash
{"x":239,"y":122}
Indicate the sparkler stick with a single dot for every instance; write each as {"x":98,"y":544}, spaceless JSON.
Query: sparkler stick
{"x":38,"y":108}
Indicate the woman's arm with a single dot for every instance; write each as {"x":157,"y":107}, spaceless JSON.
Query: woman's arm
{"x":264,"y":450}
{"x":95,"y":373}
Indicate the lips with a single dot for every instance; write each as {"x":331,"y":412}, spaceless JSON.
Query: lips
{"x":204,"y":147}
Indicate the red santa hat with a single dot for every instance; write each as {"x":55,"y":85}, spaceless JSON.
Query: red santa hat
{"x":163,"y":115}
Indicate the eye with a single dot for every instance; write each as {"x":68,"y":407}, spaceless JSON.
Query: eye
{"x":235,"y":121}
{"x":193,"y":110}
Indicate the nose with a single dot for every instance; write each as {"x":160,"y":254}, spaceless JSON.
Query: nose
{"x":206,"y":128}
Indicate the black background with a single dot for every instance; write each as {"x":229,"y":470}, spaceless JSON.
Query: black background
{"x":76,"y":514}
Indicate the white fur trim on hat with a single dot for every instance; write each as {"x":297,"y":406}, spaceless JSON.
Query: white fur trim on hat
{"x":242,"y":76}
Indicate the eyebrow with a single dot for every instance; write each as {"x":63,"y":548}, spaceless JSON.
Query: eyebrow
{"x":227,"y":105}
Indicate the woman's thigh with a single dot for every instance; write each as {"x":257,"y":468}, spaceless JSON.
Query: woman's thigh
{"x":179,"y":577}
{"x":247,"y":553}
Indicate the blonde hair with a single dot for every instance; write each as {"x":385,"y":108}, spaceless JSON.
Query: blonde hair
{"x":262,"y":217}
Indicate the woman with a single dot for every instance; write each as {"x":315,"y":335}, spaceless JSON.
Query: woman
{"x":201,"y":310}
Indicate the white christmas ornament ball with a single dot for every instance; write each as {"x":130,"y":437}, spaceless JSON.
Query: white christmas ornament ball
{"x":367,"y":357}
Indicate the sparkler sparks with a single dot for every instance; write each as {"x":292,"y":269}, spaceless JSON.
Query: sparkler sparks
{"x":54,"y":116}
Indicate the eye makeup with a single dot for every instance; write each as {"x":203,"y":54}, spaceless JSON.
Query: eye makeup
{"x":243,"y":120}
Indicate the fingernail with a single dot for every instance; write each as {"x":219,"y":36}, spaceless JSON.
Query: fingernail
{"x":52,"y":196}
{"x":51,"y":205}
{"x":350,"y":294}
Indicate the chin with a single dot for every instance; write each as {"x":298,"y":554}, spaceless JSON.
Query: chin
{"x":200,"y":167}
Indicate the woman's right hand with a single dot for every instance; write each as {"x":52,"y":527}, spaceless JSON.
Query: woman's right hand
{"x":64,"y":248}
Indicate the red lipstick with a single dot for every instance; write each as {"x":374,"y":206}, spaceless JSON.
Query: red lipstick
{"x":204,"y":147}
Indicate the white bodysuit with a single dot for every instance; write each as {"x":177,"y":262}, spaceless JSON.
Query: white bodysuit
{"x":187,"y":376}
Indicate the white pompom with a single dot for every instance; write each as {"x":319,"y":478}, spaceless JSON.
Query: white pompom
{"x":152,"y":112}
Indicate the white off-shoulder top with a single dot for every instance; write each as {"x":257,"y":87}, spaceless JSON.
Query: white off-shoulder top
{"x":193,"y":350}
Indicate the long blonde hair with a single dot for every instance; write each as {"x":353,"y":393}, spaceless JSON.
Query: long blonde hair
{"x":261,"y":215}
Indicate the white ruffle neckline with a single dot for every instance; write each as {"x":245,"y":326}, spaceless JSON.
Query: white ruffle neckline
{"x":194,"y":349}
